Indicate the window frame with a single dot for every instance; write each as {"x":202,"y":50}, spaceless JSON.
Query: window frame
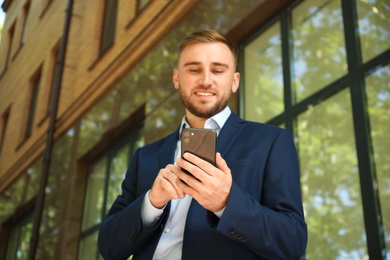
{"x":107,"y":155}
{"x":352,"y":81}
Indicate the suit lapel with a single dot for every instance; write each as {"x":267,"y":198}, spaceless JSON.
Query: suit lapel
{"x":229,"y":133}
{"x":168,"y":149}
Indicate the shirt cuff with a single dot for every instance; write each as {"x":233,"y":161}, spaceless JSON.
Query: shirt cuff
{"x":220,"y":213}
{"x":149,"y":214}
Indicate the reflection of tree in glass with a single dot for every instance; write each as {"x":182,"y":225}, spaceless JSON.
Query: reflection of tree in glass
{"x":330,"y":181}
{"x":374,"y":27}
{"x":264,"y":76}
{"x":378,"y":92}
{"x":319,"y":46}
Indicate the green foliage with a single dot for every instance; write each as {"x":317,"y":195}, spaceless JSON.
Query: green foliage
{"x":1,"y":30}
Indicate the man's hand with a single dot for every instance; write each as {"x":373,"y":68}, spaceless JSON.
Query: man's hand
{"x":209,"y":185}
{"x":165,"y":187}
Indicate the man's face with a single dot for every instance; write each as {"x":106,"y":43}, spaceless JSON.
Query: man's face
{"x":206,"y":78}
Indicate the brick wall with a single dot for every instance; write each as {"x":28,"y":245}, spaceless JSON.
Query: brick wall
{"x":88,"y":75}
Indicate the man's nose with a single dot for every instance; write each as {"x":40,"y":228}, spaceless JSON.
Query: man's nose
{"x":206,"y":78}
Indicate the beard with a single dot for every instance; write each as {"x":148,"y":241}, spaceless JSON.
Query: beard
{"x":203,"y":109}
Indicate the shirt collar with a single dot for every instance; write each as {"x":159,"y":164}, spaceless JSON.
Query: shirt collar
{"x":216,"y":122}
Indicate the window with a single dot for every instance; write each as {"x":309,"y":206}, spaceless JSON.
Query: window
{"x":45,"y":6}
{"x":26,"y":10}
{"x":109,"y":25}
{"x":55,"y":74}
{"x":374,"y":27}
{"x":103,"y":186}
{"x":142,"y":4}
{"x":18,"y":243}
{"x":11,"y":33}
{"x":304,"y":71}
{"x":319,"y":46}
{"x":330,"y":180}
{"x":3,"y":128}
{"x":378,"y":94}
{"x":264,"y":95}
{"x":33,"y":104}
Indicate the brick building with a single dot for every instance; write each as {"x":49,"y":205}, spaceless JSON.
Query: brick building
{"x":85,"y":83}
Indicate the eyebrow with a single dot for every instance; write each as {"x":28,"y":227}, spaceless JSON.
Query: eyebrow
{"x":213,"y":63}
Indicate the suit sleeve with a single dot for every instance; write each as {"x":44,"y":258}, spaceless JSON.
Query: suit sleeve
{"x":271,"y":225}
{"x":122,"y":233}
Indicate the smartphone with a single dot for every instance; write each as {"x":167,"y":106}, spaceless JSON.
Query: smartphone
{"x":199,"y":141}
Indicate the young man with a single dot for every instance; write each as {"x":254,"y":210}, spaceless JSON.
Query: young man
{"x":248,"y":206}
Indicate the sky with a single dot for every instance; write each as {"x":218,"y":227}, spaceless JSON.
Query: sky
{"x":2,"y":14}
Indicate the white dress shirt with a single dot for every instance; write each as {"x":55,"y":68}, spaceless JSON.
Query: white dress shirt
{"x":171,"y":240}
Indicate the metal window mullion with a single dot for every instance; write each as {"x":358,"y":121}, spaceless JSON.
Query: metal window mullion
{"x":287,"y":57}
{"x":370,"y":198}
{"x":106,"y":182}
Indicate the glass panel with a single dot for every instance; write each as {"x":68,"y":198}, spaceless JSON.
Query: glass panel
{"x":33,"y":179}
{"x":25,"y":237}
{"x":263,"y":93}
{"x":130,"y":95}
{"x":319,"y":46}
{"x":164,"y":120}
{"x":378,"y":92}
{"x":95,"y":123}
{"x":12,"y":244}
{"x":47,"y":246}
{"x":330,"y":181}
{"x":118,"y":169}
{"x":109,"y":25}
{"x":51,"y":216}
{"x":12,"y":198}
{"x":19,"y":239}
{"x":142,"y":4}
{"x":33,"y":105}
{"x":374,"y":27}
{"x":88,"y":247}
{"x":60,"y":162}
{"x":95,"y":195}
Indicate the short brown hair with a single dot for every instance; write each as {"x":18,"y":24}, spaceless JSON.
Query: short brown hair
{"x":208,"y":36}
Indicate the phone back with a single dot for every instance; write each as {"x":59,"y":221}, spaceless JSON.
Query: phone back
{"x":201,"y":142}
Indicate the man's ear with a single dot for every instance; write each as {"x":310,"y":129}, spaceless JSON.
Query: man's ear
{"x":175,"y":78}
{"x":236,"y":82}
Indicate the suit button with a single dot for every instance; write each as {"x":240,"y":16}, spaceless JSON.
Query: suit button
{"x":231,"y":231}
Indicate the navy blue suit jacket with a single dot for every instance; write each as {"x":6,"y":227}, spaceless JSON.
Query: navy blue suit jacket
{"x":263,"y":218}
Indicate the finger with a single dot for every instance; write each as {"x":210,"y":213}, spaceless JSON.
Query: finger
{"x":164,"y":181}
{"x":164,"y":187}
{"x":187,"y":182}
{"x":221,"y":163}
{"x":171,"y":177}
{"x":196,"y":162}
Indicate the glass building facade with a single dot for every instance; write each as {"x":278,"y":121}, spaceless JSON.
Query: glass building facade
{"x":319,"y":68}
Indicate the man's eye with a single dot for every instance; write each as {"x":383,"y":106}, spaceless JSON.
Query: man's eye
{"x":218,"y":71}
{"x":194,"y":70}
